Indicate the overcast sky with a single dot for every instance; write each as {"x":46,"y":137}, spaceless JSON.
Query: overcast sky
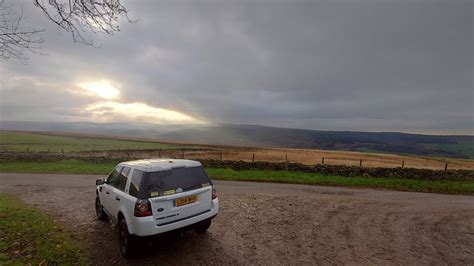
{"x":374,"y":65}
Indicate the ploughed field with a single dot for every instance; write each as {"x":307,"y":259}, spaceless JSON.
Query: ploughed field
{"x":90,"y":145}
{"x":263,"y":223}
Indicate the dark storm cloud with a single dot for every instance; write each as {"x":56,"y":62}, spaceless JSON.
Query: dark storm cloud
{"x":341,"y":65}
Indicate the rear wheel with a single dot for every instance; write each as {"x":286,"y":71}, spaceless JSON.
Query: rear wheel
{"x":99,"y":210}
{"x":126,"y":240}
{"x":203,"y":226}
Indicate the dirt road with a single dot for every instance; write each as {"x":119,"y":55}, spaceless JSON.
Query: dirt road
{"x":270,"y":224}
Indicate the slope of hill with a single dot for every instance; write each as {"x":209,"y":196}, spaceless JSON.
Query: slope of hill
{"x":262,"y":136}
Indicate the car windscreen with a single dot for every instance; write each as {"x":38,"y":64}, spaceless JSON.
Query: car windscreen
{"x":175,"y":180}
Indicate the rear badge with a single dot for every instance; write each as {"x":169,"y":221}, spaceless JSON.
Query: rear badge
{"x":160,"y":209}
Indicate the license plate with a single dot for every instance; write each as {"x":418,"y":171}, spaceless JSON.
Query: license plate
{"x":185,"y":200}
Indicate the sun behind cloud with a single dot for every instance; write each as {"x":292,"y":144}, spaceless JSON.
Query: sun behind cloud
{"x":103,"y":89}
{"x":112,"y":109}
{"x":109,"y":111}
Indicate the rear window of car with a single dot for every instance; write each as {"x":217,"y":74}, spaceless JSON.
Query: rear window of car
{"x":160,"y":183}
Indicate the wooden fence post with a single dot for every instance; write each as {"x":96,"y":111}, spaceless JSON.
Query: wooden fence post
{"x":360,"y":163}
{"x":286,"y":162}
{"x":221,"y":155}
{"x":182,"y":154}
{"x":159,"y":153}
{"x":28,"y":150}
{"x":253,"y":158}
{"x":446,"y":167}
{"x":403,"y":164}
{"x":322,"y":160}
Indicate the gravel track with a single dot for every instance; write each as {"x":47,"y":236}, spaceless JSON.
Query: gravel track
{"x":272,"y":224}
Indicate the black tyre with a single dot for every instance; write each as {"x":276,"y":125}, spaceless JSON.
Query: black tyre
{"x":99,"y":210}
{"x":202,"y":227}
{"x":126,"y":241}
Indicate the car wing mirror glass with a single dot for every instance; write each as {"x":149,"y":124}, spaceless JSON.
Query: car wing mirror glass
{"x":99,"y":182}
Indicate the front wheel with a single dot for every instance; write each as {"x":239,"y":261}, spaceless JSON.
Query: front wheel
{"x":203,"y":226}
{"x":126,"y":240}
{"x":99,"y":210}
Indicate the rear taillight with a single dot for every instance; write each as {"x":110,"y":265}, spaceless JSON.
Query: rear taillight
{"x":142,"y":208}
{"x":214,"y":193}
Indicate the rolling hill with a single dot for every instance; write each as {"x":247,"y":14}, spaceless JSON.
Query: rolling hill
{"x":261,"y":136}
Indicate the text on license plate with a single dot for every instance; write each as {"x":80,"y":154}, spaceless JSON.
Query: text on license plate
{"x":185,"y":200}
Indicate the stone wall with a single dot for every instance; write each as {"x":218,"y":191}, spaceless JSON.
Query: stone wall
{"x":349,"y":171}
{"x":339,"y":170}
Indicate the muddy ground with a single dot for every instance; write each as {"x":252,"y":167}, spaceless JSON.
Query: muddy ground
{"x":261,"y":223}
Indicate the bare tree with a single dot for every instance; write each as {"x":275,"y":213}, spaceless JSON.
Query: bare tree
{"x":79,"y":16}
{"x":14,"y":39}
{"x":73,"y":16}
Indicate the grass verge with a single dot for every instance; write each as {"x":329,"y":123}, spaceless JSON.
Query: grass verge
{"x":81,"y":167}
{"x":438,"y":186}
{"x":72,"y":166}
{"x":28,"y":236}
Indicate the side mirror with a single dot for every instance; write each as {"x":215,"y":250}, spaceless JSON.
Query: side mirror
{"x":99,"y":182}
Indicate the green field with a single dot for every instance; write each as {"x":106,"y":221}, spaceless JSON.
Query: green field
{"x":463,"y":147}
{"x":30,"y":237}
{"x":19,"y":141}
{"x":81,"y":167}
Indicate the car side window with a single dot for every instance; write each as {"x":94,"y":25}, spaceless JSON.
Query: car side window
{"x":135,"y":183}
{"x":122,"y":178}
{"x":113,"y":177}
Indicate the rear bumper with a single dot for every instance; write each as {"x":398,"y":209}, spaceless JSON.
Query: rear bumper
{"x":147,"y":226}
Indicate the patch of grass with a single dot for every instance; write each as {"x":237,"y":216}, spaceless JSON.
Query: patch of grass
{"x":438,"y":186}
{"x":29,"y":236}
{"x":81,"y":167}
{"x":71,"y":166}
{"x":19,"y":141}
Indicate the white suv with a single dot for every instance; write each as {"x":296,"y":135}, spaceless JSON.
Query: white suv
{"x":149,"y":197}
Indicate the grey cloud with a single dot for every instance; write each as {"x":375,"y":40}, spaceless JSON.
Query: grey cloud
{"x":341,"y":65}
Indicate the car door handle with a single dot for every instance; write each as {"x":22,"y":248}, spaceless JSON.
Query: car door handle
{"x":107,"y":192}
{"x":117,"y":198}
